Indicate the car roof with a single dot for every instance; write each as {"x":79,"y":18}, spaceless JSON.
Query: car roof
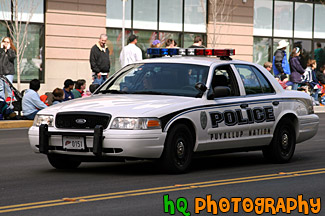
{"x":207,"y":61}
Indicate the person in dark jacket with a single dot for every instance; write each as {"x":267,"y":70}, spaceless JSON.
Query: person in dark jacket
{"x":198,"y":43}
{"x":280,"y":62}
{"x":99,"y":60}
{"x":68,"y":86}
{"x":7,"y":64}
{"x":296,"y":69}
{"x":320,"y":75}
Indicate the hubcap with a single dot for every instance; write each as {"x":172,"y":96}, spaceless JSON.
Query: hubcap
{"x":180,"y":149}
{"x":285,"y":141}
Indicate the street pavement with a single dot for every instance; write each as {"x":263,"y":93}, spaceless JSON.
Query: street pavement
{"x":30,"y":186}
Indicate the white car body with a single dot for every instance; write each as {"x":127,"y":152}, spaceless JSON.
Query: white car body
{"x":225,"y":123}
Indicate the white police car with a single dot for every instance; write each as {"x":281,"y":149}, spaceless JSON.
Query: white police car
{"x":170,"y":108}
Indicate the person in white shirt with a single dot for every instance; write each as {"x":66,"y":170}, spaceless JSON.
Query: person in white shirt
{"x":130,"y":53}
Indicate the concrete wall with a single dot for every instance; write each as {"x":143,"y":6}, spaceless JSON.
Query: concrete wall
{"x":236,"y":31}
{"x":72,"y":27}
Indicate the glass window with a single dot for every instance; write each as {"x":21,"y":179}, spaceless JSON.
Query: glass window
{"x":145,"y":38}
{"x":223,"y":76}
{"x":32,"y":63}
{"x":195,"y":16}
{"x":250,"y":80}
{"x":189,"y":39}
{"x":5,"y":13}
{"x":303,"y":20}
{"x":114,"y":43}
{"x":26,"y":7}
{"x":263,"y":17}
{"x":158,"y":79}
{"x":145,"y":14}
{"x":163,"y":36}
{"x":114,"y":13}
{"x":262,"y":50}
{"x":283,"y":19}
{"x":170,"y":15}
{"x":319,"y":28}
{"x":265,"y":84}
{"x":3,"y":30}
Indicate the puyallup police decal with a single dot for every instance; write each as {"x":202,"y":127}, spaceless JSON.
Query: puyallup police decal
{"x":234,"y":117}
{"x":203,"y":120}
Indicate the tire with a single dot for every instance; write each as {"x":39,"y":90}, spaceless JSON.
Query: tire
{"x":63,"y":162}
{"x":178,"y":150}
{"x":282,"y":146}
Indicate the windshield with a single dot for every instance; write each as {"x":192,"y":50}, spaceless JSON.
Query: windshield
{"x":158,"y":79}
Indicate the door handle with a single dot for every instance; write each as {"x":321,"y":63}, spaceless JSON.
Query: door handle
{"x":275,"y":103}
{"x":243,"y":106}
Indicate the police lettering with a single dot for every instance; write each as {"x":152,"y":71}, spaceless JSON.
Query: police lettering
{"x":231,"y":118}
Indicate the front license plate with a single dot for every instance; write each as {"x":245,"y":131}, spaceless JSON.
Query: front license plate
{"x":72,"y":142}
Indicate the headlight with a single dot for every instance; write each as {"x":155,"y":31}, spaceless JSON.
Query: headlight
{"x":136,"y":123}
{"x":43,"y":119}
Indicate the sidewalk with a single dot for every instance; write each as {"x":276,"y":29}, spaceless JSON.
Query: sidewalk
{"x":5,"y":124}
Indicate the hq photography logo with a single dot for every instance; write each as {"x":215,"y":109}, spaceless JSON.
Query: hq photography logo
{"x":259,"y":205}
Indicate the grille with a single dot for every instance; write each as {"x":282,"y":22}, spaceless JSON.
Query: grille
{"x":81,"y":120}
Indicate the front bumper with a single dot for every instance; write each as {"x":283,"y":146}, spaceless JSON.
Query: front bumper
{"x":145,"y":144}
{"x":308,"y":126}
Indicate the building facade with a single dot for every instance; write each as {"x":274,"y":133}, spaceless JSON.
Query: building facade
{"x":63,"y":31}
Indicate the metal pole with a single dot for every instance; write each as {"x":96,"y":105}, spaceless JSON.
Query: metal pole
{"x":123,"y":23}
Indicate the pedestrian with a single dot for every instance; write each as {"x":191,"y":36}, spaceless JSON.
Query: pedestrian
{"x":310,"y":79}
{"x":130,"y":53}
{"x":58,"y":96}
{"x":268,"y":66}
{"x":280,"y":62}
{"x":99,"y":60}
{"x":169,"y":43}
{"x":155,"y":44}
{"x":198,"y":42}
{"x":79,"y":89}
{"x":7,"y":65}
{"x":295,"y":67}
{"x":320,"y":75}
{"x":68,"y":86}
{"x":319,"y":55}
{"x":32,"y":103}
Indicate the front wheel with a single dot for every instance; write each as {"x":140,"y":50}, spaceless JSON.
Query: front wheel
{"x":283,"y":144}
{"x":63,"y":162}
{"x":178,"y":149}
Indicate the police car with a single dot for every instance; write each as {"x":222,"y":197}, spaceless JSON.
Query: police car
{"x":170,"y":108}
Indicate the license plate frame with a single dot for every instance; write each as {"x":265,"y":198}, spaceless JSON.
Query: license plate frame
{"x":73,"y":142}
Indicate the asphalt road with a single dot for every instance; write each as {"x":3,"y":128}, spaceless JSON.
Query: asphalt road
{"x":30,"y":186}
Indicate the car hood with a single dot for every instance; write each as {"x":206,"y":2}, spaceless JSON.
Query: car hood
{"x":125,"y":105}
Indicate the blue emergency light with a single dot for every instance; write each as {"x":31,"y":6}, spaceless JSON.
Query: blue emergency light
{"x":159,"y":52}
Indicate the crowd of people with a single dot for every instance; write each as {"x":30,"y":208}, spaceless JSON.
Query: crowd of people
{"x":292,"y":75}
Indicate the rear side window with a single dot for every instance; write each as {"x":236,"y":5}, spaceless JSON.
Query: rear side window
{"x":253,"y":80}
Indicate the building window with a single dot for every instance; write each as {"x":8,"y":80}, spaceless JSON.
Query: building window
{"x":303,"y":20}
{"x":195,"y":16}
{"x":32,"y":65}
{"x":145,"y":14}
{"x":163,"y":36}
{"x":170,"y":15}
{"x":114,"y":13}
{"x":262,"y":50}
{"x":263,"y":17}
{"x":319,"y":29}
{"x":283,"y":19}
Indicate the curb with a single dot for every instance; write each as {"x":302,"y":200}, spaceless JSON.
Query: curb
{"x":319,"y":109}
{"x":5,"y":124}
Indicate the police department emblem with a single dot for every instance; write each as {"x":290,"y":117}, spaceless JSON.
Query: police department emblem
{"x":203,"y":120}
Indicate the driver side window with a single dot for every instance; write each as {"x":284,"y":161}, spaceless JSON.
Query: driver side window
{"x":224,"y":76}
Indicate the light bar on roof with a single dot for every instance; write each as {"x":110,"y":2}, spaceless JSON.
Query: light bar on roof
{"x":158,"y":52}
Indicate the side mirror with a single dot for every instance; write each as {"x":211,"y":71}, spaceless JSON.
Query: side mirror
{"x":93,"y":87}
{"x":221,"y":91}
{"x":201,"y":87}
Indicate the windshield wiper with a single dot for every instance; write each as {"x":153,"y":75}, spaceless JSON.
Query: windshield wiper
{"x":112,"y":91}
{"x":150,"y":92}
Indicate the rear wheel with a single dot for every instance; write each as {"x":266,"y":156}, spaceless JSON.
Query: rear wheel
{"x":283,"y":144}
{"x":63,"y":162}
{"x":178,"y":149}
